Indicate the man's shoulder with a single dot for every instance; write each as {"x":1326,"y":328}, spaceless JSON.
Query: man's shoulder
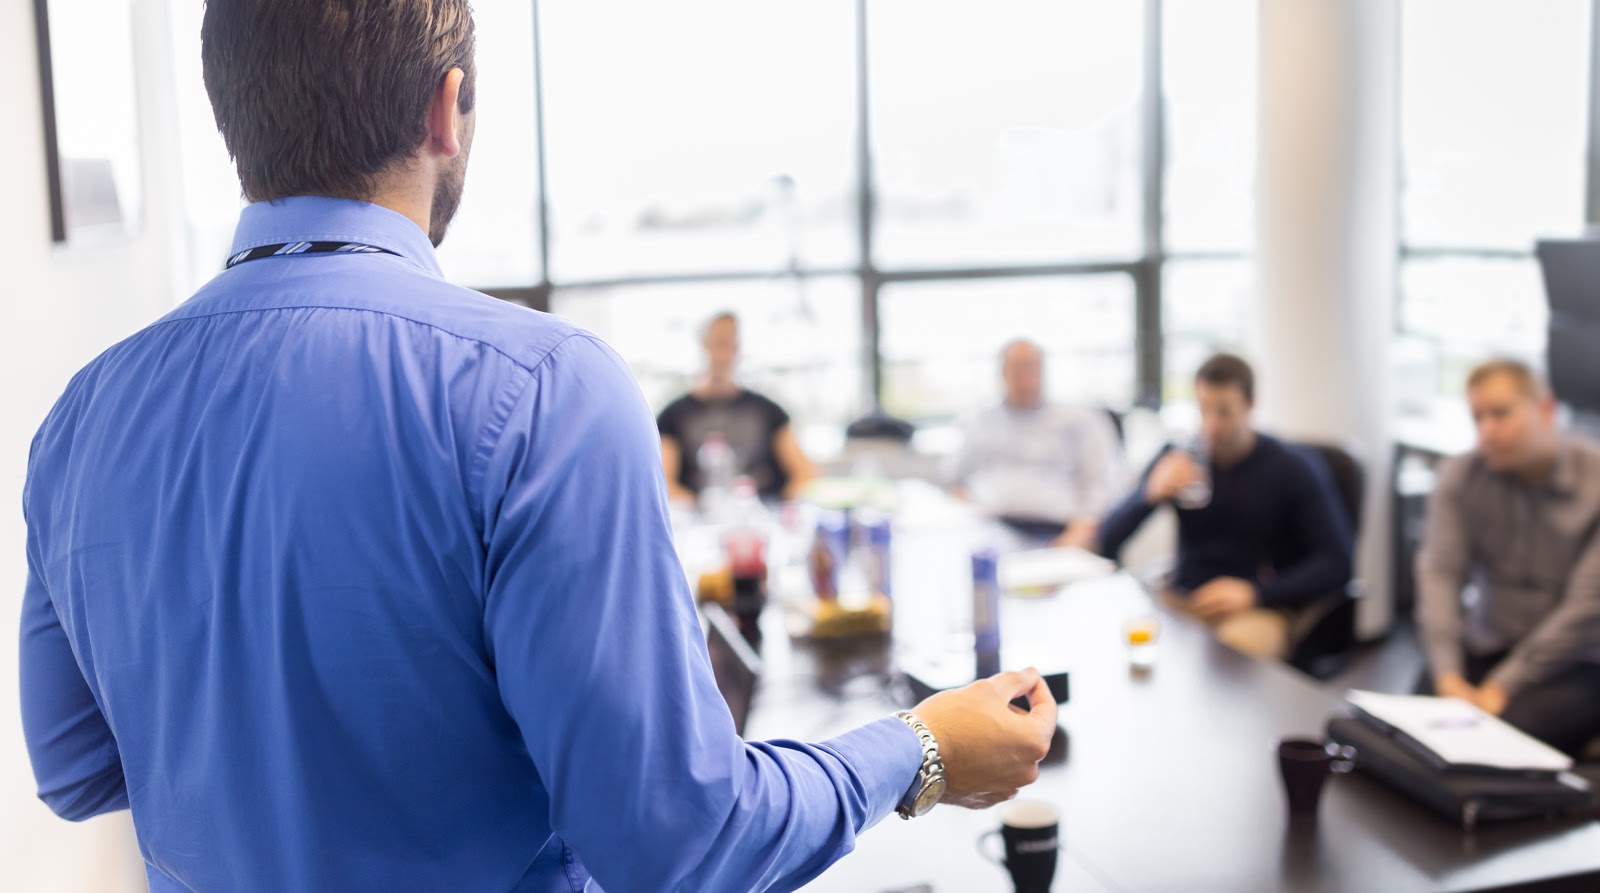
{"x":680,"y":405}
{"x":524,"y":335}
{"x":1298,"y":464}
{"x":1585,"y":446}
{"x":1455,"y":472}
{"x":755,"y":398}
{"x":393,"y":290}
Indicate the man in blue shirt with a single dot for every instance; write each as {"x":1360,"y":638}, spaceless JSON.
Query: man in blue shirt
{"x":343,"y":578}
{"x":1260,"y":532}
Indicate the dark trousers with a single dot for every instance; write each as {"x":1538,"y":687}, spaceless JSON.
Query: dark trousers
{"x":1562,"y":711}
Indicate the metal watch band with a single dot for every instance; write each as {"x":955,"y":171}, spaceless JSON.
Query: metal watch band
{"x":930,"y":772}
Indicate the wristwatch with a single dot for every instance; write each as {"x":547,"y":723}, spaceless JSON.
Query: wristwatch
{"x":929,"y":787}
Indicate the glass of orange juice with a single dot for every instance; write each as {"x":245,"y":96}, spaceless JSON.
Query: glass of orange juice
{"x":1141,"y":633}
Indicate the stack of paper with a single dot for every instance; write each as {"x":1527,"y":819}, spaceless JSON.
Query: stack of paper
{"x":1045,"y":569}
{"x":1459,"y":734}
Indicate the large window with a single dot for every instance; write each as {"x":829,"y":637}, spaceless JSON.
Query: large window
{"x":1207,"y":287}
{"x":1494,"y":104}
{"x":494,"y":239}
{"x":1208,"y":306}
{"x":942,"y":340}
{"x":800,"y":338}
{"x":1004,"y":133}
{"x":886,"y":191}
{"x":709,"y":137}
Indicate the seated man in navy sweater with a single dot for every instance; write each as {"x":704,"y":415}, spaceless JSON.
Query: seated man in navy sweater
{"x":1270,"y":537}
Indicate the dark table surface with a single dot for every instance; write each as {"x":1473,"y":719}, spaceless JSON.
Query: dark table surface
{"x":1169,"y":780}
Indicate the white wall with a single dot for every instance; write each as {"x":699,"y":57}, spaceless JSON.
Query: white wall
{"x":58,"y":309}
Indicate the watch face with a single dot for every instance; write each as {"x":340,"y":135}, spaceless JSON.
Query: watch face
{"x":929,"y":796}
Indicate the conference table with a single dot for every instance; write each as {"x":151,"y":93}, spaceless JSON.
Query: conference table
{"x":1166,"y":780}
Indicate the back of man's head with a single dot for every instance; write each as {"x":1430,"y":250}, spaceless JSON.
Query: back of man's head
{"x":320,"y":97}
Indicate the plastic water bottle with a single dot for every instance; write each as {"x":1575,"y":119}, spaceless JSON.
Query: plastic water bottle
{"x":717,"y":466}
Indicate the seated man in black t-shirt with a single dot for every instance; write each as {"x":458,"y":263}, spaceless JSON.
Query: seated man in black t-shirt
{"x":755,"y":429}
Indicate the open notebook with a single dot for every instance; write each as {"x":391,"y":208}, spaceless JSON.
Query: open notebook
{"x":1044,"y":570}
{"x":1457,"y":734}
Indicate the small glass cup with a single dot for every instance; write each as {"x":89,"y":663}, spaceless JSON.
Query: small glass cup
{"x":1141,"y":634}
{"x":1197,"y":495}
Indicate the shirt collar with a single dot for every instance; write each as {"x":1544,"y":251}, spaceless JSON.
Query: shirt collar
{"x":315,"y":218}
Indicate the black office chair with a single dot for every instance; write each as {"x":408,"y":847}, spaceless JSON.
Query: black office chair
{"x":1327,"y":626}
{"x":879,"y":425}
{"x":1116,"y":425}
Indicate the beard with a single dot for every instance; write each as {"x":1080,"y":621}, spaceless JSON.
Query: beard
{"x":447,"y":199}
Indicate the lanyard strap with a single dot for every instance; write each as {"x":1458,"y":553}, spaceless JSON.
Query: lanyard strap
{"x":283,"y":248}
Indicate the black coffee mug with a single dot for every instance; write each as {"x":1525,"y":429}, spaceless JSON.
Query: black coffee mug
{"x":1305,"y":764}
{"x":1030,"y":830}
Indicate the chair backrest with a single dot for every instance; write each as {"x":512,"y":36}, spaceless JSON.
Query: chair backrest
{"x":1349,"y":479}
{"x":1570,"y":267}
{"x":1116,"y":425}
{"x":880,"y":426}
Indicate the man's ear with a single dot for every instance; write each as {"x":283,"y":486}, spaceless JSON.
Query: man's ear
{"x":444,"y":116}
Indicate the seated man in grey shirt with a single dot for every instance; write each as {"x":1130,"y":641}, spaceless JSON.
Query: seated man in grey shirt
{"x":1508,"y":577}
{"x":1049,"y":471}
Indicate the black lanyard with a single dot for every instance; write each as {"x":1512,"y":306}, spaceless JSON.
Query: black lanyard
{"x":286,"y":248}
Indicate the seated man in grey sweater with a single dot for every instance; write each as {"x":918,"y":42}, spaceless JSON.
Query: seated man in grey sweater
{"x":1508,"y":577}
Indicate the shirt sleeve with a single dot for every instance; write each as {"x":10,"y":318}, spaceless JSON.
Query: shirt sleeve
{"x":777,"y":416}
{"x":600,"y":661}
{"x":1326,"y":566}
{"x":1100,"y":464}
{"x":75,"y":758}
{"x":964,"y":464}
{"x":1443,"y":562}
{"x":1123,"y":521}
{"x":1565,"y":634}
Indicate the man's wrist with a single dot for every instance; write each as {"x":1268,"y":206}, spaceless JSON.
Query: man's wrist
{"x":928,"y":787}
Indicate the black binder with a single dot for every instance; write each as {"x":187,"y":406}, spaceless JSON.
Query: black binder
{"x":1461,"y":796}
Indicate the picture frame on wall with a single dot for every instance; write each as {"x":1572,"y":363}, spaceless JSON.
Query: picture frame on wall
{"x":87,"y":81}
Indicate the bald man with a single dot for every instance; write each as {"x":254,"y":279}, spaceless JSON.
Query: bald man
{"x":1049,"y":471}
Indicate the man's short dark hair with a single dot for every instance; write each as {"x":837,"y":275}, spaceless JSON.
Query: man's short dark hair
{"x":318,"y":97}
{"x":1227,"y":370}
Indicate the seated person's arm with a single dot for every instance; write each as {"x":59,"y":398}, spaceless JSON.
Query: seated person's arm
{"x":1159,"y":483}
{"x":959,"y":469}
{"x":1080,"y":533}
{"x":1327,"y":565}
{"x":1570,"y":630}
{"x":1443,"y":562}
{"x":793,"y":460}
{"x":75,"y":757}
{"x":672,"y":466}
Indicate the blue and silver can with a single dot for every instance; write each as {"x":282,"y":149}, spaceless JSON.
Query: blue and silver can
{"x":986,"y":611}
{"x":877,"y":536}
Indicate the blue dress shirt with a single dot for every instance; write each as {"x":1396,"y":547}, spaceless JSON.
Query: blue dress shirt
{"x":345,"y":578}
